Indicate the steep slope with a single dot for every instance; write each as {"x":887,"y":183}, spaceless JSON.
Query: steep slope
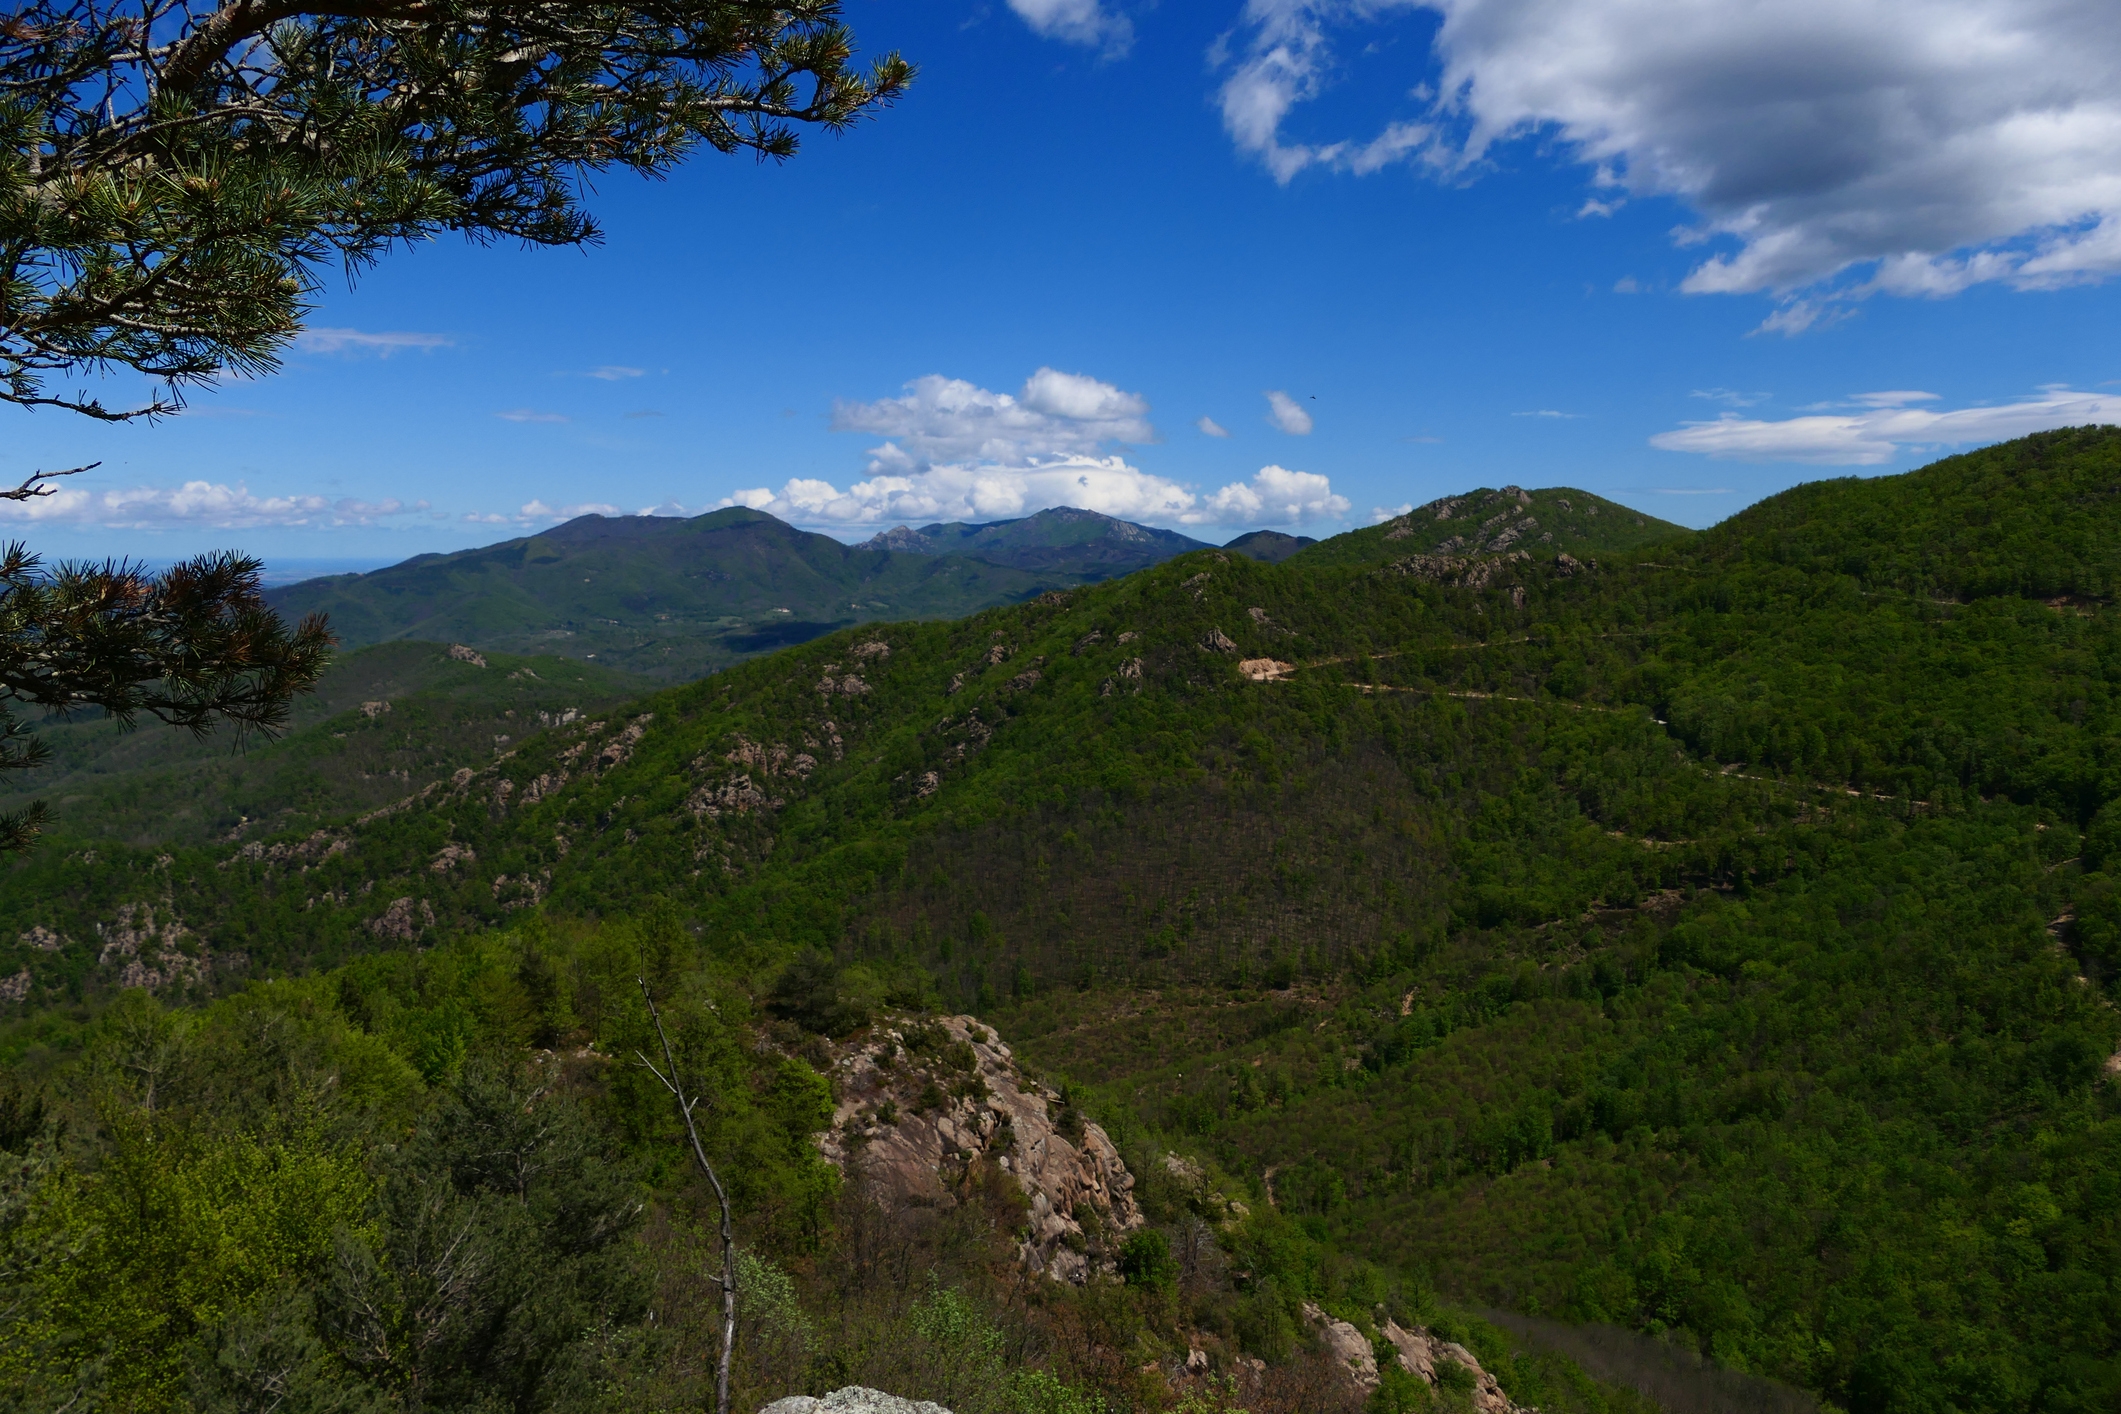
{"x":383,"y":720}
{"x":1554,"y":520}
{"x":655,"y":595}
{"x":1070,"y":545}
{"x":1719,"y":941}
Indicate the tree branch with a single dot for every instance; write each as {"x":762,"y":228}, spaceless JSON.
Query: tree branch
{"x":699,"y":1155}
{"x":31,"y":489}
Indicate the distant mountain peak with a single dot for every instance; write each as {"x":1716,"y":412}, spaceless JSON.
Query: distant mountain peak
{"x":1087,"y":544}
{"x":900,"y":539}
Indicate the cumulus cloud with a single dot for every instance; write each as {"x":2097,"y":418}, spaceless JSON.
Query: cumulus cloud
{"x":1109,"y":485}
{"x":360,"y":341}
{"x":1274,"y":496}
{"x":1288,"y":414}
{"x":1380,"y":514}
{"x":978,"y":491}
{"x":1211,"y":428}
{"x":948,"y":419}
{"x":203,"y":504}
{"x":1874,"y":428}
{"x":1084,"y":22}
{"x":1911,"y":147}
{"x":957,"y":451}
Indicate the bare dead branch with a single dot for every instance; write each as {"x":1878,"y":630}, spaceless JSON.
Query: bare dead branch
{"x":699,"y":1154}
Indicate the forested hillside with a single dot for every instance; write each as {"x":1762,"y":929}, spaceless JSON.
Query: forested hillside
{"x":676,"y":598}
{"x":383,"y":721}
{"x":1077,"y":546}
{"x":1708,"y":935}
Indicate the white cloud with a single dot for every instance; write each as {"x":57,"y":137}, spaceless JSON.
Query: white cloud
{"x":1730,"y":397}
{"x":529,"y":415}
{"x":1109,"y":485}
{"x":613,"y":372}
{"x":1288,"y":414}
{"x":205,"y":504}
{"x":956,"y":451}
{"x":538,"y":510}
{"x":1288,"y":61}
{"x":1084,"y":22}
{"x":978,"y":491}
{"x":948,"y":419}
{"x":1882,"y":425}
{"x":1850,"y":147}
{"x":1274,"y":496}
{"x":1211,"y":428}
{"x":1550,"y":413}
{"x":1380,"y":514}
{"x":360,"y":341}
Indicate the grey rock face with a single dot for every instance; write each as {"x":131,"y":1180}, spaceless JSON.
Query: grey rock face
{"x":993,"y":1111}
{"x":852,"y":1400}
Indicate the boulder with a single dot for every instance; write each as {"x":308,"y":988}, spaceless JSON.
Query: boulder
{"x":852,"y":1400}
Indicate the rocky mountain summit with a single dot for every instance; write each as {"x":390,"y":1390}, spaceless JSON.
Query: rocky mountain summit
{"x":922,"y":1102}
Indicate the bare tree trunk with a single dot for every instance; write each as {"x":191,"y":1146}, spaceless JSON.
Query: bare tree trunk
{"x":699,"y":1155}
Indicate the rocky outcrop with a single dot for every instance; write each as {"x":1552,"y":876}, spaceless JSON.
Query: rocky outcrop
{"x":464,"y":653}
{"x":921,"y":1101}
{"x":1419,"y":1353}
{"x":1425,"y":1355}
{"x":150,"y":952}
{"x":320,"y":846}
{"x":1461,"y":571}
{"x":1349,"y":1346}
{"x":852,"y":1400}
{"x":403,"y":921}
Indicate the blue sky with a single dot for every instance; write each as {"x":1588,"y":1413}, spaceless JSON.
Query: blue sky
{"x":1628,"y":247}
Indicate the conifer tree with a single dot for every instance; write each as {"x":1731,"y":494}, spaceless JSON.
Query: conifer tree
{"x":176,"y":177}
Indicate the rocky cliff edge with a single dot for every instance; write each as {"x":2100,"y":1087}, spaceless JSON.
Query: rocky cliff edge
{"x":920,"y":1101}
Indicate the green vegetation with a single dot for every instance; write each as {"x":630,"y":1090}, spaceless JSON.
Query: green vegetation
{"x":674,"y":599}
{"x":1072,"y":545}
{"x":650,"y":594}
{"x":383,"y":723}
{"x":1270,"y":545}
{"x":1557,"y":520}
{"x":1718,"y":943}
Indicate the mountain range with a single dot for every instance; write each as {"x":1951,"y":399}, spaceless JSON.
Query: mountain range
{"x":676,"y":598}
{"x":1518,"y":904}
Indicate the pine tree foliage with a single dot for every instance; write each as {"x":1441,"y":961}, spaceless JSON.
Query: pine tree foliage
{"x":192,"y":648}
{"x":174,"y":174}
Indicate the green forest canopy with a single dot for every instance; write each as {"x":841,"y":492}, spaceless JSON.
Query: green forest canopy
{"x":1715,"y":941}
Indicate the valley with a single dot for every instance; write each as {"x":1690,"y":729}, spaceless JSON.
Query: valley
{"x":1706,"y":937}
